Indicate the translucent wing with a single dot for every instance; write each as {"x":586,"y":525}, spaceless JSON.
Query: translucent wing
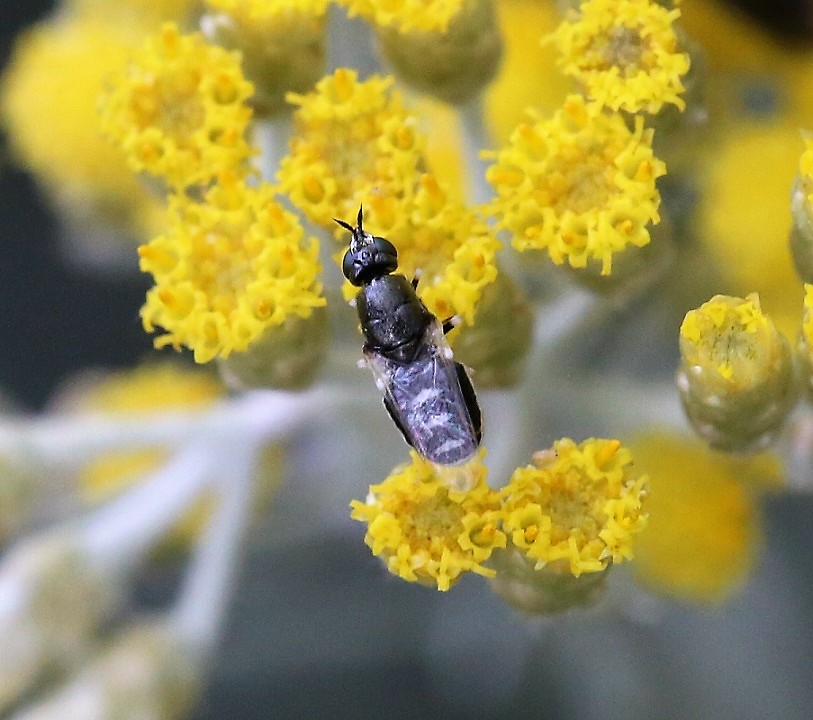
{"x":426,"y":401}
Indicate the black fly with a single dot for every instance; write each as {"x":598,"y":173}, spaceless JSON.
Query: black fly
{"x":427,"y":394}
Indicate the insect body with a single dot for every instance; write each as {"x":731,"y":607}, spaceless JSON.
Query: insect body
{"x":427,"y":394}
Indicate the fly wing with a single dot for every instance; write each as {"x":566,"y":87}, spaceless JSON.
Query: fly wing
{"x":425,"y":397}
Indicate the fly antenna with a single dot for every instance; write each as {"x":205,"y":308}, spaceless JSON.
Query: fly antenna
{"x":361,"y":213}
{"x":346,"y":226}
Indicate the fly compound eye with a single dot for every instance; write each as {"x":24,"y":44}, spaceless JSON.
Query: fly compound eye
{"x":386,"y":256}
{"x":348,"y":268}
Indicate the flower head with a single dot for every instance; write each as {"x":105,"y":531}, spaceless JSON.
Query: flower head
{"x":577,"y":508}
{"x":406,"y":15}
{"x":353,"y":141}
{"x":736,"y":377}
{"x":49,"y":101}
{"x":228,"y":269}
{"x":625,"y":53}
{"x":179,"y":110}
{"x":452,"y":246}
{"x":426,"y":532}
{"x":580,"y":186}
{"x":704,"y":524}
{"x":150,"y":11}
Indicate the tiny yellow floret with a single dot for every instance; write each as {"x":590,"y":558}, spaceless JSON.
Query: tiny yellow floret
{"x":179,"y":110}
{"x":227,"y":270}
{"x":576,"y":511}
{"x":625,"y":53}
{"x":580,"y":185}
{"x":426,"y":532}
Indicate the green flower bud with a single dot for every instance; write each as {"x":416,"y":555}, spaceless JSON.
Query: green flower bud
{"x":286,"y":356}
{"x":454,"y":65}
{"x":736,"y":378}
{"x":542,"y":592}
{"x":801,"y":233}
{"x":496,"y":345}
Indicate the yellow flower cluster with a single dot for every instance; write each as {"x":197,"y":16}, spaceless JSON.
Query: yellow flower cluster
{"x":580,"y":186}
{"x":729,"y":335}
{"x":406,"y":15}
{"x":426,"y":532}
{"x":49,"y":102}
{"x":574,"y":511}
{"x":355,"y":144}
{"x":704,"y":522}
{"x":263,"y":10}
{"x":625,"y":54}
{"x":353,"y":141}
{"x":577,"y":508}
{"x":179,"y":110}
{"x":227,"y":269}
{"x":806,"y":166}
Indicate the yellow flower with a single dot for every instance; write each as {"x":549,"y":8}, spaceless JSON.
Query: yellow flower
{"x":451,"y":245}
{"x":352,"y":141}
{"x":49,"y":107}
{"x":228,"y":269}
{"x":406,"y":15}
{"x":424,"y":531}
{"x":704,"y":524}
{"x":580,"y":186}
{"x":744,"y":215}
{"x":577,"y":508}
{"x":807,"y":322}
{"x":731,"y":338}
{"x":179,"y":110}
{"x":625,"y":54}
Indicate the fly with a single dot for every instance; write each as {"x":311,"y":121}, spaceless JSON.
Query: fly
{"x":427,"y":394}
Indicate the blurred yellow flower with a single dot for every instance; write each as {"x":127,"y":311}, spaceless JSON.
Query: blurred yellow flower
{"x":352,"y":141}
{"x":580,"y":185}
{"x":704,"y":523}
{"x":179,"y":110}
{"x":49,"y":98}
{"x":577,"y":508}
{"x":262,"y":10}
{"x":525,"y":78}
{"x":406,"y":15}
{"x":426,"y":532}
{"x":625,"y":54}
{"x":227,"y":270}
{"x":744,"y":215}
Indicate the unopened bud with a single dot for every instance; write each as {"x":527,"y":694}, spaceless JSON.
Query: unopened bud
{"x":283,"y":50}
{"x":454,"y":65}
{"x":736,"y":377}
{"x":286,"y":356}
{"x":496,"y":345}
{"x":546,"y":591}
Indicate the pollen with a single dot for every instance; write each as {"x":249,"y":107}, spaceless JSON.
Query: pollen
{"x":578,"y":511}
{"x":625,"y":54}
{"x":179,"y":110}
{"x":426,"y":532}
{"x":572,"y":185}
{"x":242,"y":265}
